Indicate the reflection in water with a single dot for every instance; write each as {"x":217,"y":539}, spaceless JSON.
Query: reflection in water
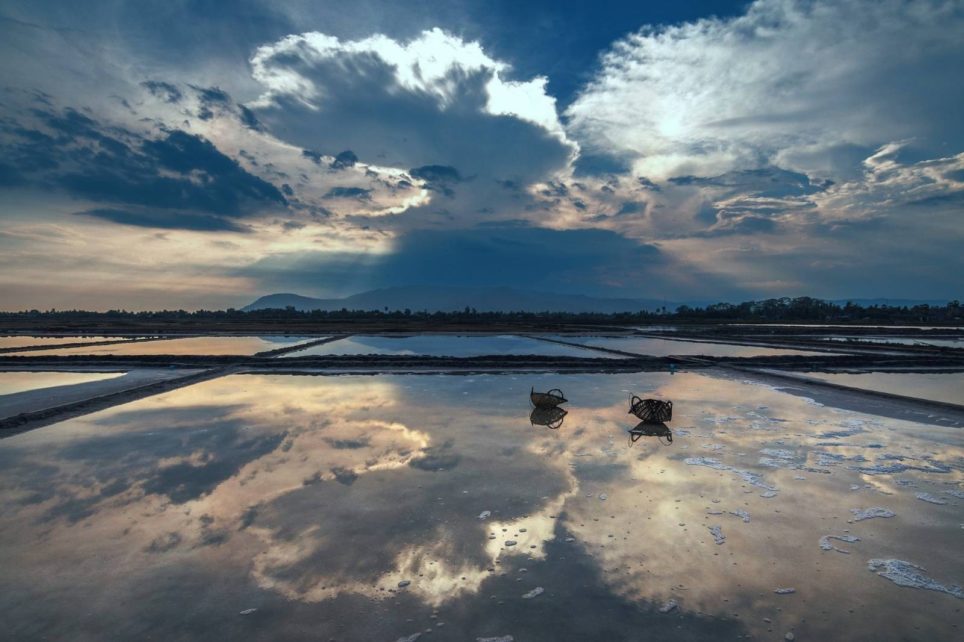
{"x":444,"y":345}
{"x":646,"y":429}
{"x":209,"y":345}
{"x":939,"y":386}
{"x":307,"y":499}
{"x":551,"y":417}
{"x":670,"y":347}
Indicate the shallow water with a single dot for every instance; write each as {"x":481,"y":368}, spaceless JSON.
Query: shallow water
{"x":241,"y":346}
{"x":848,"y":325}
{"x":669,"y":347}
{"x":947,"y":343}
{"x":23,"y":341}
{"x":13,"y":382}
{"x":273,"y":507}
{"x":938,"y":386}
{"x":443,"y":345}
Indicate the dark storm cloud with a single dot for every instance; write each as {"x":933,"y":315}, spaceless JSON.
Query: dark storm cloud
{"x":368,"y":108}
{"x":248,"y":119}
{"x":211,"y":100}
{"x":163,"y":90}
{"x":767,"y":181}
{"x":165,"y":219}
{"x":178,"y":180}
{"x":344,"y":160}
{"x":600,"y":164}
{"x":348,"y":192}
{"x":436,"y":174}
{"x":578,"y":261}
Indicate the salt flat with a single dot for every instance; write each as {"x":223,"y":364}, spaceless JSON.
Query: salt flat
{"x":376,"y":507}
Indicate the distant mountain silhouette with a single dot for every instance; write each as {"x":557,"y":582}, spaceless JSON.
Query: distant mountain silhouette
{"x":448,"y":299}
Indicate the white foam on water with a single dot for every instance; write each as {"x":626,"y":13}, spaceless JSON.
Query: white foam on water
{"x":504,"y":638}
{"x":861,"y":514}
{"x":485,"y":514}
{"x":534,"y":593}
{"x":827,"y":546}
{"x":410,"y":638}
{"x":668,"y":606}
{"x":927,"y":497}
{"x":904,"y":573}
{"x":779,"y":453}
{"x":742,"y":514}
{"x":247,"y":611}
{"x":954,"y":493}
{"x":896,"y":464}
{"x":785,"y":591}
{"x":717,"y":533}
{"x":749,"y":477}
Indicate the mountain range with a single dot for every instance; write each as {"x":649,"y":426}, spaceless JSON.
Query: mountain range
{"x":447,"y":299}
{"x":496,"y":299}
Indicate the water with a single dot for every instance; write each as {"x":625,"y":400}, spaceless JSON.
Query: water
{"x":13,"y":382}
{"x":274,"y":508}
{"x":241,"y":346}
{"x":945,"y":386}
{"x":442,"y":345}
{"x":669,"y":347}
{"x":848,"y":325}
{"x":947,"y":343}
{"x":23,"y":341}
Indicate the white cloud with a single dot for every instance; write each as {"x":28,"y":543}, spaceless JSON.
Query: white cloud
{"x":788,"y":81}
{"x":435,"y":101}
{"x":435,"y":63}
{"x":888,"y":184}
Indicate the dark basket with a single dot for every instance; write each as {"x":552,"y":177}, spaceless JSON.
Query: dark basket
{"x":651,"y":411}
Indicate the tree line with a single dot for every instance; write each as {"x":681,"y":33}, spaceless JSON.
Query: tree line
{"x":781,"y":310}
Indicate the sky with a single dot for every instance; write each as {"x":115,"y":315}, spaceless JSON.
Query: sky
{"x":199,"y":154}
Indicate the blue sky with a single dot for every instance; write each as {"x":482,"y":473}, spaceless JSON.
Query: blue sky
{"x":200,"y":154}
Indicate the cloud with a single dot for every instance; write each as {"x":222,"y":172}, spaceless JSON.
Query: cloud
{"x":785,"y":142}
{"x":432,"y":101}
{"x":805,"y":84}
{"x":165,"y":219}
{"x":585,"y":261}
{"x":170,"y":178}
{"x":349,"y":192}
{"x":166,"y":91}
